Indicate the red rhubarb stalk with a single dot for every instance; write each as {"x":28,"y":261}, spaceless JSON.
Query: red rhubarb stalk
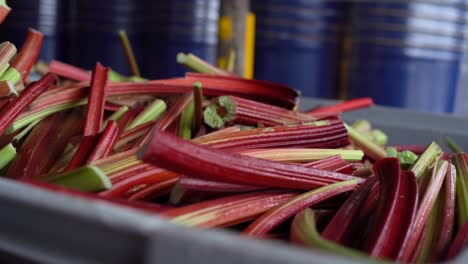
{"x":97,"y":99}
{"x":69,"y":71}
{"x":28,"y":53}
{"x":40,"y":149}
{"x":339,"y":228}
{"x":189,"y":189}
{"x":271,"y":219}
{"x":131,"y":185}
{"x":174,"y":111}
{"x":228,"y":210}
{"x":332,"y":163}
{"x":83,"y":153}
{"x":147,"y":207}
{"x":4,"y":11}
{"x":459,"y":243}
{"x":234,"y":109}
{"x":105,"y":143}
{"x":172,"y":153}
{"x":343,"y":107}
{"x":22,"y":102}
{"x":331,"y":135}
{"x":395,"y":211}
{"x":261,"y":91}
{"x":154,"y":191}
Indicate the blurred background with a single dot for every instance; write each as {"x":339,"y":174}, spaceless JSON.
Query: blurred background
{"x":402,"y":53}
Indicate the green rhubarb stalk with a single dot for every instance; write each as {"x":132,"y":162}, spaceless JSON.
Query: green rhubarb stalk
{"x":116,"y":116}
{"x":304,"y":231}
{"x":370,"y":148}
{"x":197,"y":106}
{"x":127,"y":47}
{"x":11,"y":75}
{"x":379,"y":137}
{"x":362,"y":126}
{"x":86,"y":179}
{"x":185,"y":126}
{"x":7,"y":51}
{"x":26,"y":130}
{"x":198,"y":65}
{"x":427,"y":160}
{"x":7,"y":154}
{"x":430,"y":231}
{"x":461,"y":166}
{"x":453,"y":145}
{"x":20,"y":123}
{"x":151,"y":113}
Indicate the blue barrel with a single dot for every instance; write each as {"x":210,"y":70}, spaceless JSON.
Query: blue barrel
{"x":407,"y":53}
{"x":189,"y":26}
{"x":298,"y":43}
{"x":48,"y":16}
{"x":94,"y":35}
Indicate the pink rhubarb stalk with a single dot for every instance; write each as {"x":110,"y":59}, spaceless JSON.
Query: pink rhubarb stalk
{"x":447,"y":217}
{"x":28,"y":53}
{"x":228,"y":210}
{"x":69,"y":71}
{"x":271,"y":219}
{"x":4,"y":11}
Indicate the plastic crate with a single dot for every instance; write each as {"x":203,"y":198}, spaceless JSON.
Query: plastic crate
{"x":40,"y":226}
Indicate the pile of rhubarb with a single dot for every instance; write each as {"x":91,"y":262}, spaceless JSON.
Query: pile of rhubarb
{"x":212,"y":150}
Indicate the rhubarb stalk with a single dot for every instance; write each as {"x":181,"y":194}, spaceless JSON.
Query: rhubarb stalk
{"x":461,"y":163}
{"x":304,"y":232}
{"x":4,"y":10}
{"x":23,"y":101}
{"x":371,"y":149}
{"x":195,"y":63}
{"x":271,"y":219}
{"x":96,"y":102}
{"x":228,"y":210}
{"x":105,"y":143}
{"x":422,"y":215}
{"x":172,"y":153}
{"x":69,"y":71}
{"x":395,"y":211}
{"x":129,"y":55}
{"x":28,"y":53}
{"x":7,"y":154}
{"x":150,"y":114}
{"x":85,"y":179}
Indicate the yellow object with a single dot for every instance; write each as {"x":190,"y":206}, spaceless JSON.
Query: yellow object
{"x":225,"y":28}
{"x":249,"y":47}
